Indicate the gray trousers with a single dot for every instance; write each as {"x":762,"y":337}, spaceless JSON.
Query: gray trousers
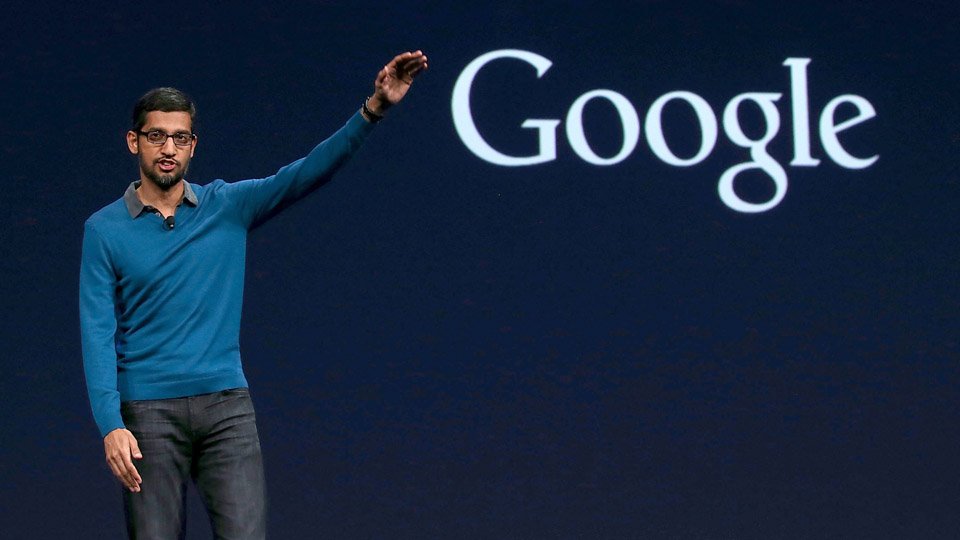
{"x":210,"y":439}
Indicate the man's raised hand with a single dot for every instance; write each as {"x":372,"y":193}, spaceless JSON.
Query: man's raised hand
{"x":394,"y":80}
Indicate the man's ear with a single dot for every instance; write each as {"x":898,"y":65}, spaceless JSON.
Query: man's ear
{"x":133,"y":142}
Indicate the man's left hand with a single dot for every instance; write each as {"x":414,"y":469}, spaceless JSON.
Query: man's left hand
{"x":394,"y":80}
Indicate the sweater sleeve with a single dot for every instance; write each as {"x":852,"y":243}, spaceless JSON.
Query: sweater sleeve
{"x":258,"y":200}
{"x":98,"y":326}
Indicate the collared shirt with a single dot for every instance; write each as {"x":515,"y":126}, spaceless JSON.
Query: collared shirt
{"x":136,"y":207}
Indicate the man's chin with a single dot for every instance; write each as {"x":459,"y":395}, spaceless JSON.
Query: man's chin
{"x":164,"y":181}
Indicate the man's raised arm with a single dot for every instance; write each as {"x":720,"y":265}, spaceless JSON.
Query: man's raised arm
{"x":258,"y":200}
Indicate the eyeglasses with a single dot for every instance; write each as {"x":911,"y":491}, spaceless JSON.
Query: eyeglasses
{"x":159,"y":138}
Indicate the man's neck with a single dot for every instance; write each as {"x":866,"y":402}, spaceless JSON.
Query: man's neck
{"x":166,"y":201}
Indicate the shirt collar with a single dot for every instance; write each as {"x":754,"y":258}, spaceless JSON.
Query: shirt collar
{"x":135,"y":207}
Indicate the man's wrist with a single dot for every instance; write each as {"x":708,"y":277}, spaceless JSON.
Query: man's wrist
{"x":376,"y":106}
{"x":368,"y":114}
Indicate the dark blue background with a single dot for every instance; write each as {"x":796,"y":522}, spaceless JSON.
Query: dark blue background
{"x":440,"y":347}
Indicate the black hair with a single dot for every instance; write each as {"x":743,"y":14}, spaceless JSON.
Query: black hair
{"x":163,"y":99}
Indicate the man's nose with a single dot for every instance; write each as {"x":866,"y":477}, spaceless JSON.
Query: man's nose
{"x":168,"y":147}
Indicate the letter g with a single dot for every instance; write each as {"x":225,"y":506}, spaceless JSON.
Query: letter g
{"x":467,"y":129}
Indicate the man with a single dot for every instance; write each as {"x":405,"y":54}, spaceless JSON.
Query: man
{"x":161,"y":283}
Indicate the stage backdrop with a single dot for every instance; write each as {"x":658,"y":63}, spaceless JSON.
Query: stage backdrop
{"x":612,"y":270}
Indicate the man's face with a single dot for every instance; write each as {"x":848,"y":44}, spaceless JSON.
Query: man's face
{"x":163,"y":164}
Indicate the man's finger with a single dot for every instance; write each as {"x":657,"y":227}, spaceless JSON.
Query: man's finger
{"x":406,"y":61}
{"x":408,"y":69}
{"x":414,"y":67}
{"x":131,"y":474}
{"x":415,"y":70}
{"x":404,"y":56}
{"x":135,"y":448}
{"x":115,"y":470}
{"x":414,"y":60}
{"x":406,"y":75}
{"x":120,"y":471}
{"x":124,"y":473}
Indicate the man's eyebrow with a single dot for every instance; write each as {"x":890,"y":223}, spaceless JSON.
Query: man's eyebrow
{"x":184,"y":131}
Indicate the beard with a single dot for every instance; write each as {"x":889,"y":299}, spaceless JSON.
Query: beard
{"x":164,"y":181}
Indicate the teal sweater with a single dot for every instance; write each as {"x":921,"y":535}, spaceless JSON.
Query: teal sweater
{"x":160,"y":309}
